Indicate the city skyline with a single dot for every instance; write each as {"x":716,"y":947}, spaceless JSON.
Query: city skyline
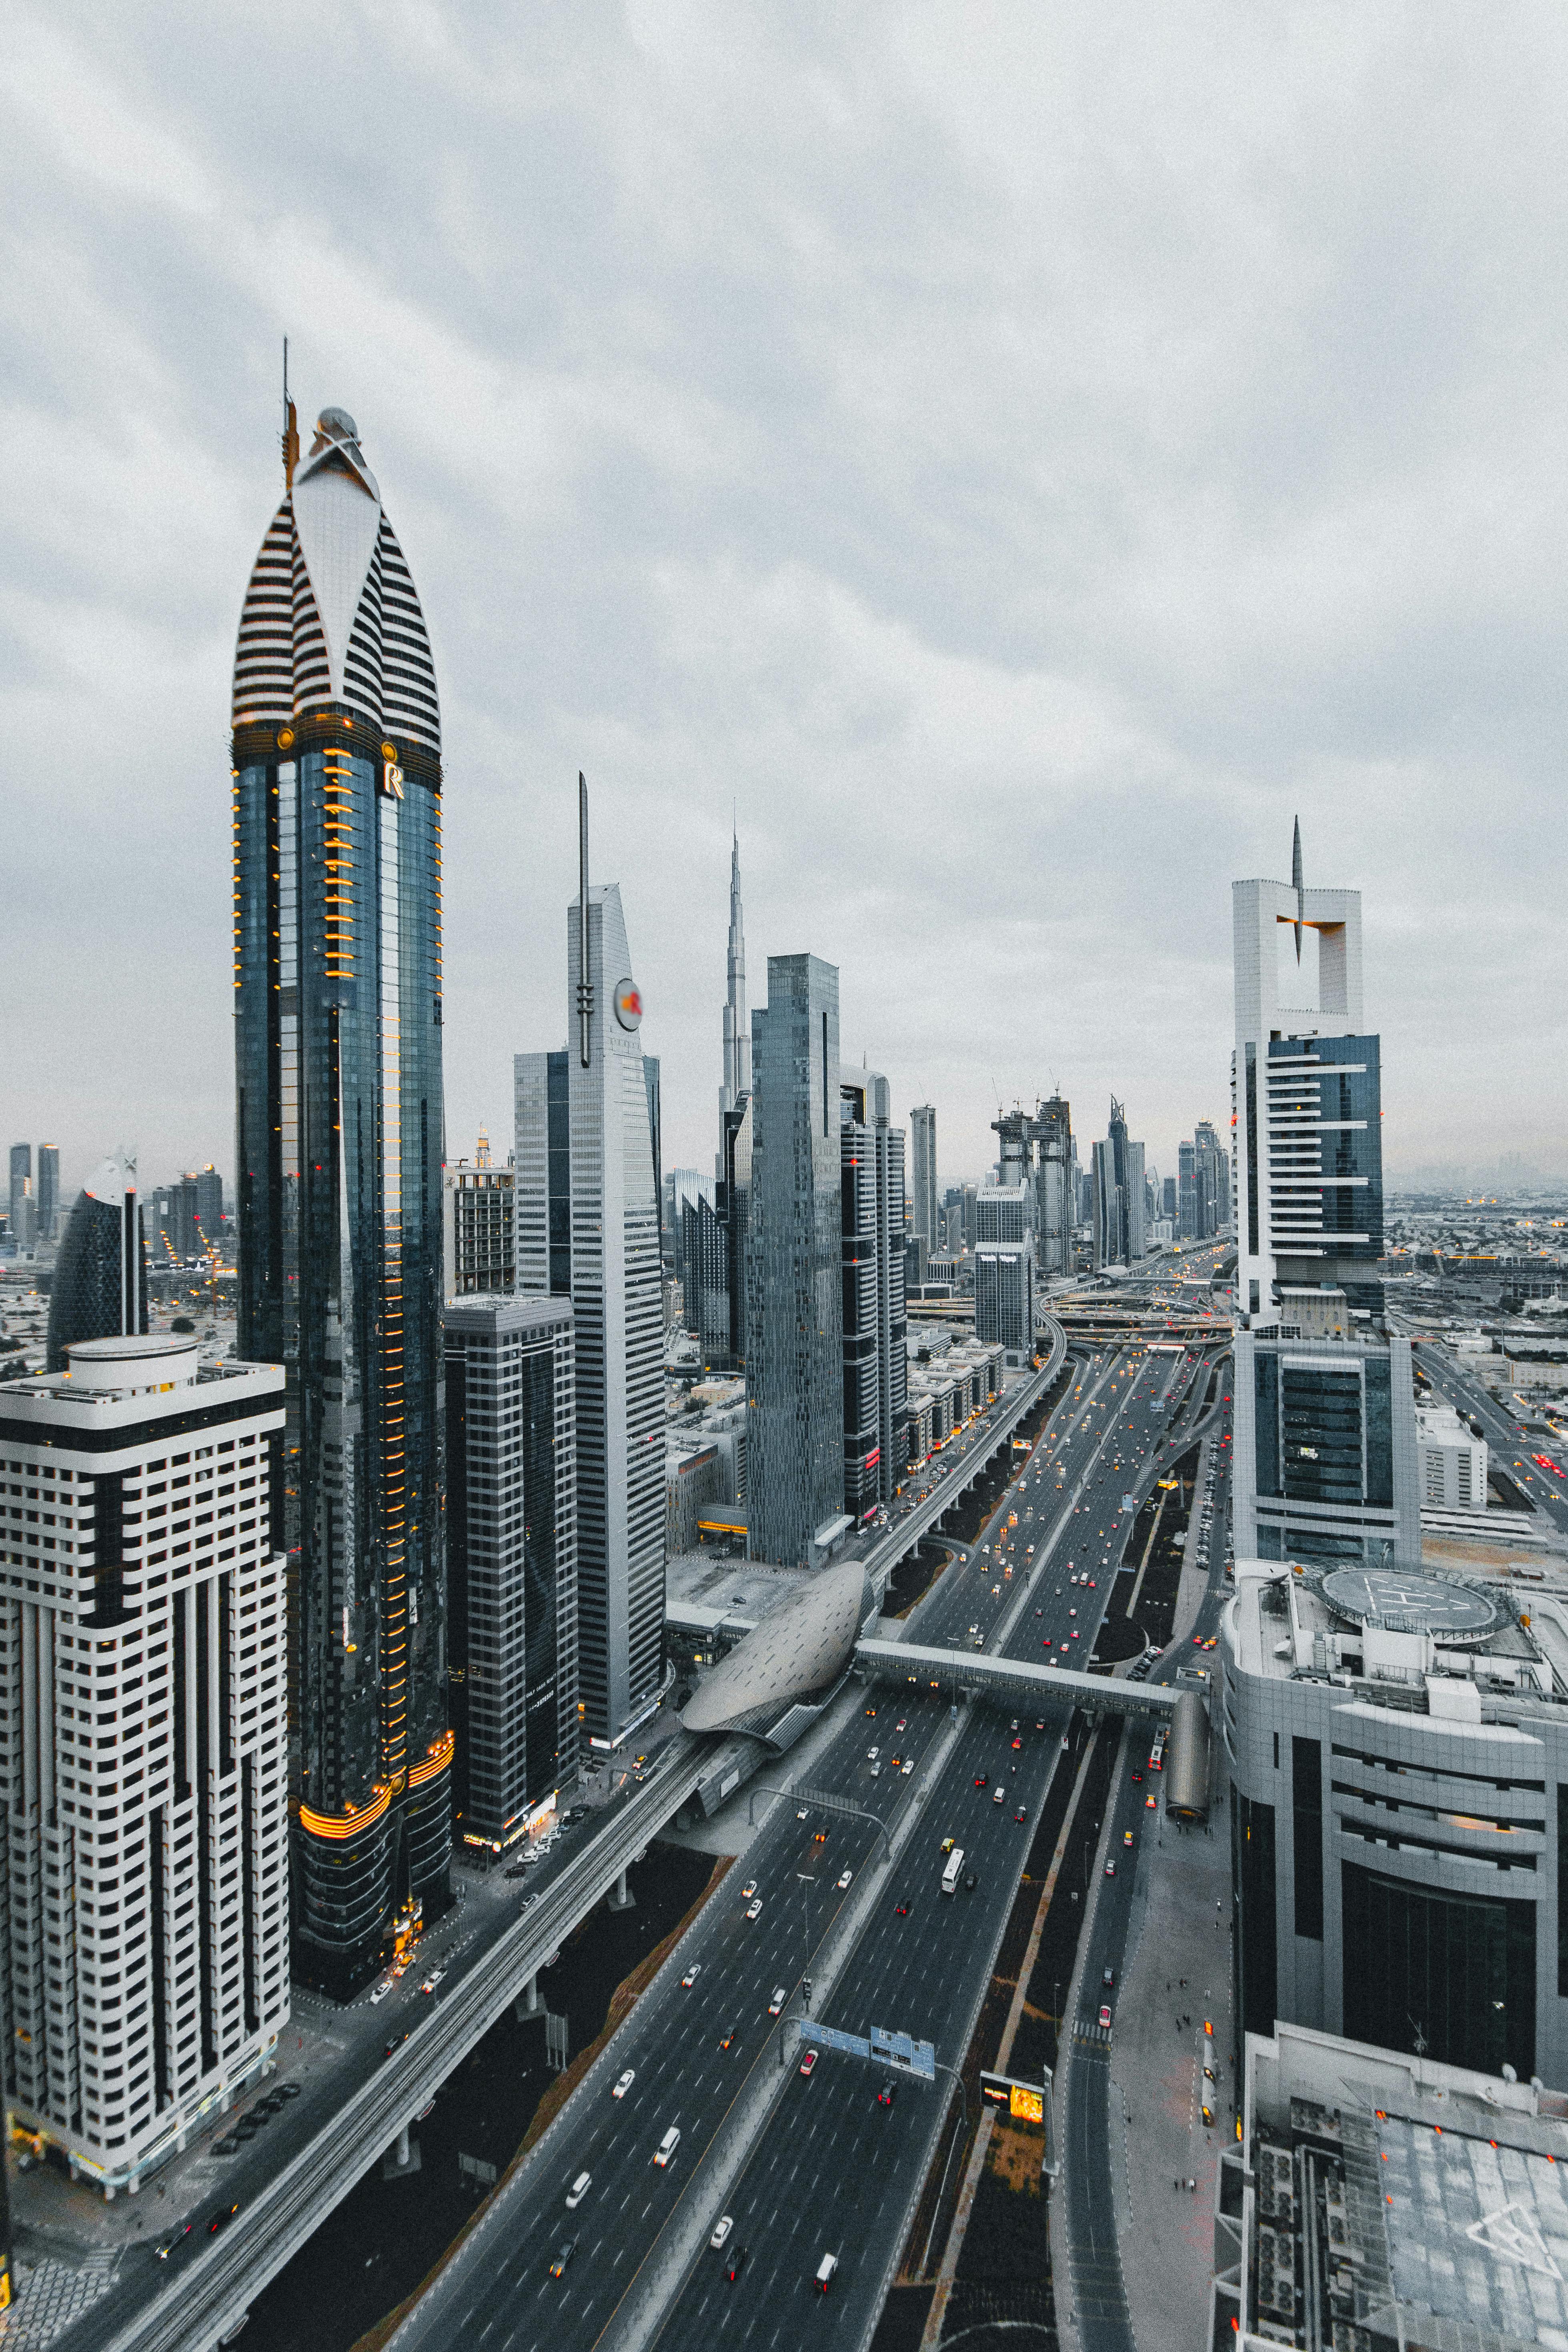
{"x":1072,"y":779}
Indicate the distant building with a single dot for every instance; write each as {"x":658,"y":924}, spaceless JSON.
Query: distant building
{"x":924,"y":1211}
{"x":1168,"y":1199}
{"x":477,"y":1229}
{"x":587,"y":1229}
{"x":737,"y":1080}
{"x":144,"y":1906}
{"x":22,"y":1226}
{"x":794,"y":1308}
{"x":48,"y":1191}
{"x":1005,"y":1298}
{"x":100,"y":1286}
{"x":511,"y":1560}
{"x":1119,"y":1208}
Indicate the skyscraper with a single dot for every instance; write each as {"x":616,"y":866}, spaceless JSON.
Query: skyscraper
{"x":1052,"y":1184}
{"x":143,"y":1763}
{"x":511,"y":1555}
{"x":737,"y":1036}
{"x":794,"y":1308}
{"x":1106,"y":1194}
{"x":924,"y":1197}
{"x":876,"y":1363}
{"x":337,"y":826}
{"x":1004,"y":1296}
{"x":587,"y":1228}
{"x":1119,"y":1201}
{"x":1327,"y":1461}
{"x":99,"y":1287}
{"x":22,"y":1205}
{"x":48,"y":1190}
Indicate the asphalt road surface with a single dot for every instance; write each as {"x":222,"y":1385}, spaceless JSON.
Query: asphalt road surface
{"x":833,"y":2170}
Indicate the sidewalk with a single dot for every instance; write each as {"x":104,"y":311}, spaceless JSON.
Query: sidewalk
{"x":1166,"y":2235}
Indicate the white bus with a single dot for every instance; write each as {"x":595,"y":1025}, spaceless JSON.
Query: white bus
{"x":954,"y":1871}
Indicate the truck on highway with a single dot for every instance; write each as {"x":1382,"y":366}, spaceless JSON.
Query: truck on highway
{"x":953,"y":1874}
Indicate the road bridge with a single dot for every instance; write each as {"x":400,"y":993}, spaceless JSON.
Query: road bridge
{"x":1009,"y":1678}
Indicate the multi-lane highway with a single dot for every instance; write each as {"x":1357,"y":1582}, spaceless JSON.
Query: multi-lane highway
{"x":832,"y":2169}
{"x":1534,"y":1465}
{"x":1088,"y":2205}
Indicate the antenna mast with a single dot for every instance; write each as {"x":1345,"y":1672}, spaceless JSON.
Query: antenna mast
{"x":584,"y":985}
{"x":290,"y":433}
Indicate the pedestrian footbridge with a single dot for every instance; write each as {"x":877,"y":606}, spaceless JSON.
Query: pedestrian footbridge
{"x":1013,"y":1679}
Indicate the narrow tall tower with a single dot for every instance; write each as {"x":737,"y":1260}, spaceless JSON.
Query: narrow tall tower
{"x":737,"y":1036}
{"x":337,"y":882}
{"x":587,"y":1230}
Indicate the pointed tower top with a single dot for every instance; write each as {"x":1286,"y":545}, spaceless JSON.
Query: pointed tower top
{"x":1295,"y":884}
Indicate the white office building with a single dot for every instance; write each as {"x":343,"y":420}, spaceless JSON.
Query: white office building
{"x":1326,"y":1459}
{"x":145,"y":1909}
{"x":1453,"y":1461}
{"x":587,"y":1229}
{"x":1002,"y":1212}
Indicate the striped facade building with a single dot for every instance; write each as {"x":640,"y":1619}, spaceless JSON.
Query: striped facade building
{"x":336,"y":879}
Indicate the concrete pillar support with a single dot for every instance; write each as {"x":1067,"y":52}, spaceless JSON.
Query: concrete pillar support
{"x":623,"y":1899}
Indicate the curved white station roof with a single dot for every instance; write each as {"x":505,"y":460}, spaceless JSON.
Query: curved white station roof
{"x":802,"y":1647}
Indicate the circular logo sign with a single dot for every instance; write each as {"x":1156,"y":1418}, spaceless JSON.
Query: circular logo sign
{"x":628,"y":1004}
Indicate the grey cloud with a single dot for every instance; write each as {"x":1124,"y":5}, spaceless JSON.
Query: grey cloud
{"x":1019,"y":459}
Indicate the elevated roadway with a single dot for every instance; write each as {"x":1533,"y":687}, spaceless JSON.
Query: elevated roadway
{"x":202,"y":2299}
{"x":953,"y":1477}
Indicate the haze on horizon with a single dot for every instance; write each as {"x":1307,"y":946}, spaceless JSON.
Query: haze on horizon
{"x":1015,"y":462}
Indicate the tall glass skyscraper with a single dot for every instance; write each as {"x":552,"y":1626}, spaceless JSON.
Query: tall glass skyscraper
{"x":337,"y":854}
{"x":795,"y":1305}
{"x":100,"y":1289}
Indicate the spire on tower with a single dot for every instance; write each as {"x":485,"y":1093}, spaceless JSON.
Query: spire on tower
{"x":1296,"y":885}
{"x":737,"y":1032}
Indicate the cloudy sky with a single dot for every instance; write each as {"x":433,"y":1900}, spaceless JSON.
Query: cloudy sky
{"x":1015,"y":456}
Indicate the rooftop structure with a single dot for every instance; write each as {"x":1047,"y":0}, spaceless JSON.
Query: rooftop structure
{"x":1376,"y":2201}
{"x":1398,"y":1742}
{"x":775,"y":1682}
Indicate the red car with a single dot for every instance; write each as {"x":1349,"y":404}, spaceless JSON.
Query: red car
{"x":808,"y":2064}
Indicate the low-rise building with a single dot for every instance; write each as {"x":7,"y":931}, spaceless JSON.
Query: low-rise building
{"x":1453,"y":1461}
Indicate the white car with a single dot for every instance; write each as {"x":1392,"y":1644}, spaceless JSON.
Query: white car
{"x":873,"y":1754}
{"x":726,"y":2222}
{"x":381,"y":1991}
{"x":629,"y":2077}
{"x":909,"y":1766}
{"x":692,"y":1973}
{"x":844,"y":1880}
{"x":667,"y":2147}
{"x":778,"y":2001}
{"x":754,"y":1910}
{"x":578,"y":2190}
